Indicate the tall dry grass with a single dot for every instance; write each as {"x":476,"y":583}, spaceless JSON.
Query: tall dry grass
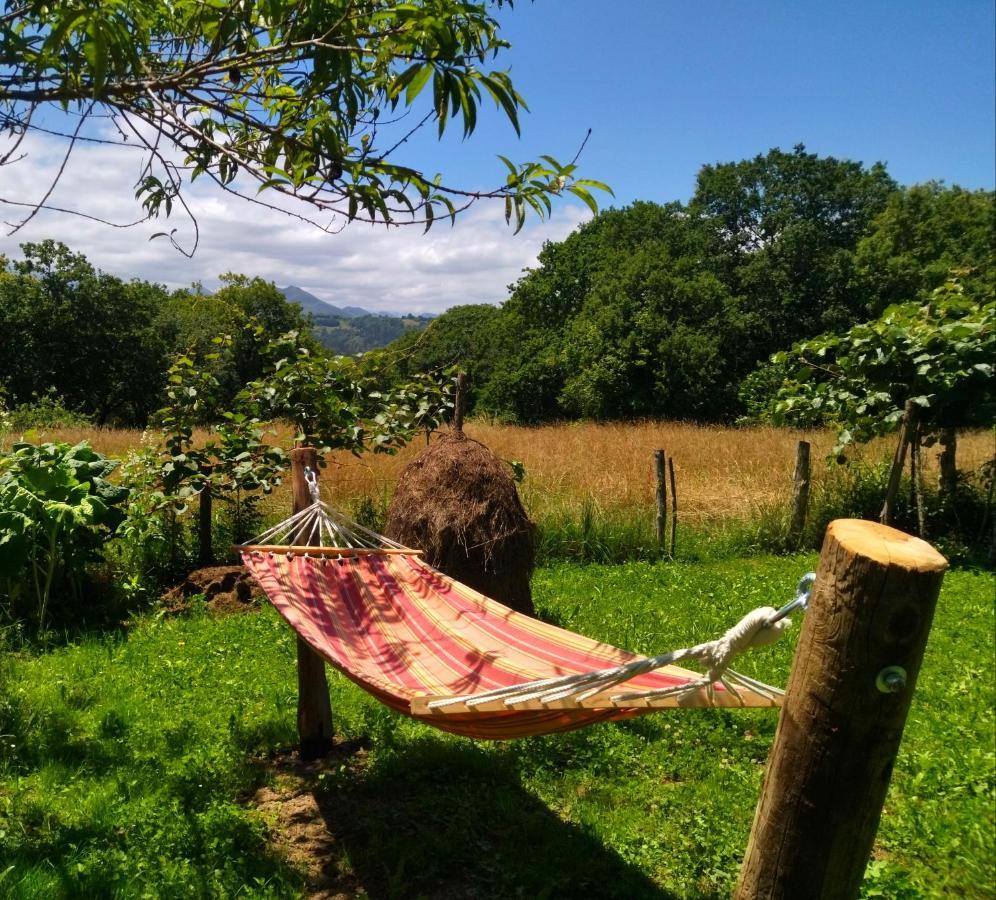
{"x":722,"y":473}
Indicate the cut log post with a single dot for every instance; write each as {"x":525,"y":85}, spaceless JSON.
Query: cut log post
{"x":204,"y":554}
{"x":314,"y":709}
{"x":800,"y":495}
{"x":674,"y":506}
{"x":661,"y":475}
{"x":898,"y":461}
{"x":459,"y":402}
{"x":845,"y":707}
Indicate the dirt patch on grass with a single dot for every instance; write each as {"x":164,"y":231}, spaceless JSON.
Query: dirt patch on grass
{"x":294,"y":806}
{"x":225,"y":589}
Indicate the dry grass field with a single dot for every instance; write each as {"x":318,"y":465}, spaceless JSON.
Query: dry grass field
{"x":722,"y":473}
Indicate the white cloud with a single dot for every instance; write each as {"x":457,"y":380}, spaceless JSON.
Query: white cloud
{"x":385,"y":270}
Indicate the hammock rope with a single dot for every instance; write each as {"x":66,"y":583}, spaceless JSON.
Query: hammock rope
{"x":434,"y":649}
{"x":760,"y":627}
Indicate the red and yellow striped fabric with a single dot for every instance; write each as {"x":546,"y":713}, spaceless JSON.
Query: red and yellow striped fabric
{"x":404,"y":631}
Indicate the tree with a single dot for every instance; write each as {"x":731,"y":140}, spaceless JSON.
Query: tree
{"x":266,"y":315}
{"x":288,"y":98}
{"x":923,"y":233}
{"x":656,"y":337}
{"x":473,"y":338}
{"x":190,"y":321}
{"x":83,"y":333}
{"x":789,"y":224}
{"x":572,"y":318}
{"x":934,"y":359}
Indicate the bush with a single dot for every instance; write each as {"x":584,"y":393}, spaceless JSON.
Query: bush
{"x":46,"y":411}
{"x":960,"y":525}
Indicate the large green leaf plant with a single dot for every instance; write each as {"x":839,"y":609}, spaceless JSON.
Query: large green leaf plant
{"x":57,"y":511}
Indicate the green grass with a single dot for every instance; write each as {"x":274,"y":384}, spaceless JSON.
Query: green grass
{"x":127,"y":763}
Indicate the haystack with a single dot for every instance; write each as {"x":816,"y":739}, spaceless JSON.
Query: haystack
{"x":457,"y":502}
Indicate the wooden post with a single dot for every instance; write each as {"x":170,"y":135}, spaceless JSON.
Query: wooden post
{"x":848,"y":695}
{"x":674,"y":505}
{"x":204,"y":554}
{"x":314,"y":710}
{"x":800,"y":495}
{"x":898,"y":461}
{"x":659,"y":467}
{"x":947,"y":479}
{"x":459,"y":402}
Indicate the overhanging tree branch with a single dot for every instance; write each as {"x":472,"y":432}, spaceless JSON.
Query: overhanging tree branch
{"x":295,"y":97}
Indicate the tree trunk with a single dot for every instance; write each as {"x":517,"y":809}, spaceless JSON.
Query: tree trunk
{"x":916,"y":483}
{"x":459,"y":402}
{"x":848,"y":695}
{"x":314,"y":710}
{"x":898,"y":462}
{"x":204,"y":550}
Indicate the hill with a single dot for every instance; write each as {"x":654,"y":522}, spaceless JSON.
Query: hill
{"x":357,"y":334}
{"x":320,"y":308}
{"x":352,"y":329}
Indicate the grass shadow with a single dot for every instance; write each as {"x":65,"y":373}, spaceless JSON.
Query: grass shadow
{"x":441,"y":820}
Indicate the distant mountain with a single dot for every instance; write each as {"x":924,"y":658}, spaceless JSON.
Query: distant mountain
{"x":352,"y":329}
{"x":310,"y":303}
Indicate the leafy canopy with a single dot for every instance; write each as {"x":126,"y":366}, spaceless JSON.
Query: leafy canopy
{"x":307,"y":100}
{"x":939,"y":355}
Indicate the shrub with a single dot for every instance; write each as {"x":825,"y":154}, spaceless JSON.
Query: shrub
{"x":46,"y":411}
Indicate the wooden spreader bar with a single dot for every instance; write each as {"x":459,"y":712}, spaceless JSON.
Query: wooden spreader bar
{"x":697,"y":698}
{"x":335,"y":552}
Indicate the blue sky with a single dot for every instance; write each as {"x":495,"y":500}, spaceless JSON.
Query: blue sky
{"x":666,"y":86}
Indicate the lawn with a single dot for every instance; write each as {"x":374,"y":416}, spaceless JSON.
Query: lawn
{"x":130,"y":760}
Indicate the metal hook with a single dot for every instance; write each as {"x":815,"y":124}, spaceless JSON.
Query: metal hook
{"x":311,"y":479}
{"x":803,"y":590}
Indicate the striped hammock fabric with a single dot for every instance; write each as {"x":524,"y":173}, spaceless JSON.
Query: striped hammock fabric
{"x":410,"y":635}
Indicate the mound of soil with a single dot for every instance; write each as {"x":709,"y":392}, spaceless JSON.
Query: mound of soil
{"x":457,"y":502}
{"x":227,"y":589}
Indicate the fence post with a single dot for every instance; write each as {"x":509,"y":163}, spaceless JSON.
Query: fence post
{"x":674,"y":505}
{"x":659,"y":466}
{"x":848,"y":695}
{"x":314,"y":709}
{"x":800,"y":495}
{"x":204,"y":554}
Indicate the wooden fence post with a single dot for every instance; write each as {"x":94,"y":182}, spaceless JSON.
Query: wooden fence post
{"x":848,"y":695}
{"x":659,"y":467}
{"x":800,"y":495}
{"x":674,"y":505}
{"x":204,"y":550}
{"x":314,"y":709}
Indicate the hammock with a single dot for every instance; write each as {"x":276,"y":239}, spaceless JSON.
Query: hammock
{"x":440,"y":652}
